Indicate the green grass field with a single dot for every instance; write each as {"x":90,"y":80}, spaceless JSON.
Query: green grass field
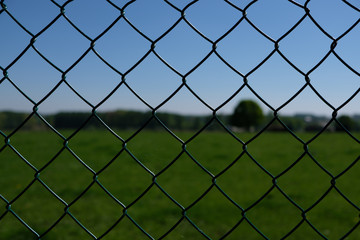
{"x":245,"y":183}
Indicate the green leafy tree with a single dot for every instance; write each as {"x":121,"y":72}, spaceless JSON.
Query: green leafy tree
{"x":247,"y":114}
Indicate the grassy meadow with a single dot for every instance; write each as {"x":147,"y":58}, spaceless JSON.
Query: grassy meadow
{"x":185,"y":181}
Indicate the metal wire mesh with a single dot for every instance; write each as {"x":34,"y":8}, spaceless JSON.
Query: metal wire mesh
{"x":183,"y":85}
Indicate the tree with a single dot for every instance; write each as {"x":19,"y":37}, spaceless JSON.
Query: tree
{"x":346,"y":121}
{"x":247,"y":114}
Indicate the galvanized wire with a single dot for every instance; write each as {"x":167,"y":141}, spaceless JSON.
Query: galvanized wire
{"x":183,"y":85}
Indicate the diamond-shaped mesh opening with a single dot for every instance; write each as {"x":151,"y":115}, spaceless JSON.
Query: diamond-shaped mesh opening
{"x":116,"y":120}
{"x":122,"y":102}
{"x":225,"y":79}
{"x":124,"y":229}
{"x":282,"y":216}
{"x":324,"y":17}
{"x":185,"y":230}
{"x":242,"y":229}
{"x":238,"y":42}
{"x":155,"y":155}
{"x":157,"y":75}
{"x":36,"y":81}
{"x":184,"y":180}
{"x":152,"y":25}
{"x":155,"y":213}
{"x":351,"y":56}
{"x":96,"y":17}
{"x":13,"y":100}
{"x":95,"y":147}
{"x":73,"y":103}
{"x":21,"y":176}
{"x":45,"y":139}
{"x":242,"y":4}
{"x":97,"y":218}
{"x":347,"y":180}
{"x":313,"y":47}
{"x":214,"y":209}
{"x":350,"y":106}
{"x":215,"y":150}
{"x":243,"y":94}
{"x":253,"y":183}
{"x":12,"y":228}
{"x":284,"y":16}
{"x":32,"y":204}
{"x":95,"y":69}
{"x":298,"y":181}
{"x":333,"y":216}
{"x":67,"y":228}
{"x":263,"y":80}
{"x":337,"y":87}
{"x":304,"y":231}
{"x":12,"y":121}
{"x":25,"y":14}
{"x":65,"y":168}
{"x":327,"y":150}
{"x":130,"y":177}
{"x":303,"y":102}
{"x":49,"y":42}
{"x":185,"y":98}
{"x":270,"y":154}
{"x":201,"y":16}
{"x":13,"y":43}
{"x":120,"y":35}
{"x":192,"y":47}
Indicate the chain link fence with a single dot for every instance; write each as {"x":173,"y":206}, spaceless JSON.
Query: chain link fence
{"x":122,"y":212}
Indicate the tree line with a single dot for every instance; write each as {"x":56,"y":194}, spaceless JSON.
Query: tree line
{"x":247,"y":116}
{"x":121,"y":119}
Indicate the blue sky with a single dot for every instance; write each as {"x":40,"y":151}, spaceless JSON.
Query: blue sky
{"x":244,"y":48}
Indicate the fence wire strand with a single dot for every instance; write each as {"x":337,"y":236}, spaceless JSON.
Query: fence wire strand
{"x":183,"y":85}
